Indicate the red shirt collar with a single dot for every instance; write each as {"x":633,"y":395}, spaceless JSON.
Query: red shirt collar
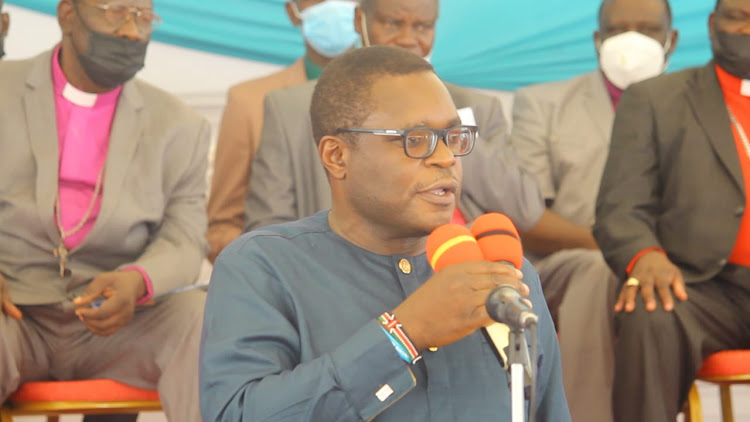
{"x":729,"y":83}
{"x":615,"y":93}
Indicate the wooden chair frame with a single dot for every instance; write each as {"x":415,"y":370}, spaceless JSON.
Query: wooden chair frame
{"x":693,"y":406}
{"x":53,"y":409}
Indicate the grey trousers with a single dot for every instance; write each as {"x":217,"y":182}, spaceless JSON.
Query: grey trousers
{"x":659,"y":353}
{"x":580,"y":291}
{"x":157,"y":350}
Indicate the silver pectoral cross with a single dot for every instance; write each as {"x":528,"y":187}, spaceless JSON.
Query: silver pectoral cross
{"x":61,"y":252}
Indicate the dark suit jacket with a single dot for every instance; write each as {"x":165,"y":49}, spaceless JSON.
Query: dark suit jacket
{"x":672,"y":178}
{"x":288,"y":181}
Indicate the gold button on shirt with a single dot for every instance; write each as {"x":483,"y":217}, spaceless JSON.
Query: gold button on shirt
{"x":405,"y":266}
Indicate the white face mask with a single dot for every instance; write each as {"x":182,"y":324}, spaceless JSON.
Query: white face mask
{"x":329,"y":26}
{"x":631,"y":57}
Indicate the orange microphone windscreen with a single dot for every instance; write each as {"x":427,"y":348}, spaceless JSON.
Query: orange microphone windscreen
{"x":451,"y":244}
{"x":498,"y":238}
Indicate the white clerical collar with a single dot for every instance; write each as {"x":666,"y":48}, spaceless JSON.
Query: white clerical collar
{"x":78,"y":97}
{"x":745,"y":87}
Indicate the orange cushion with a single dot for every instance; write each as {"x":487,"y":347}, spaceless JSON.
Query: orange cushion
{"x":83,"y":390}
{"x":727,"y":362}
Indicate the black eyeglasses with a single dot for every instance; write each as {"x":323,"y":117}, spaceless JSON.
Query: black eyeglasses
{"x":420,"y":142}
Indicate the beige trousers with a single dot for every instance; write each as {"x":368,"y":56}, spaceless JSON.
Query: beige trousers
{"x":580,"y":291}
{"x":157,"y":350}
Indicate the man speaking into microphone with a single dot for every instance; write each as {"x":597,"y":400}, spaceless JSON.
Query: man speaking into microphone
{"x":339,"y":316}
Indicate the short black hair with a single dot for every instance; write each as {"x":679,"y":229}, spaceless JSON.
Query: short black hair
{"x":342,"y":96}
{"x":666,"y":4}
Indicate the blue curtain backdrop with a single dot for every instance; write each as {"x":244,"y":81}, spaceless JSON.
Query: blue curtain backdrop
{"x":496,"y":44}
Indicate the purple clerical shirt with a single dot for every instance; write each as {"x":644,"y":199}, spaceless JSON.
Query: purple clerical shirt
{"x":84,"y":122}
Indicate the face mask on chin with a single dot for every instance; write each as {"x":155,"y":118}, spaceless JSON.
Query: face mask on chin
{"x":732,"y":52}
{"x":631,"y":57}
{"x":328,"y":27}
{"x":110,"y":61}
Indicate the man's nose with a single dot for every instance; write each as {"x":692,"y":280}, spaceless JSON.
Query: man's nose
{"x":130,"y":30}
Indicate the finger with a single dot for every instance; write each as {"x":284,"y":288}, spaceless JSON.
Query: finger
{"x":630,"y":293}
{"x":11,"y":310}
{"x":112,"y":306}
{"x":6,"y":305}
{"x":528,"y":303}
{"x":678,"y":286}
{"x":488,"y":281}
{"x":663,"y":280}
{"x":106,"y":326}
{"x":665,"y":294}
{"x":150,"y":302}
{"x":647,"y":291}
{"x":495,"y":268}
{"x":500,"y":280}
{"x":97,"y":301}
{"x":524,"y":289}
{"x":620,"y":304}
{"x":93,"y":291}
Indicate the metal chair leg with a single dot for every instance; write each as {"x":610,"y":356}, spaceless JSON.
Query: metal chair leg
{"x":693,"y":411}
{"x":5,"y":415}
{"x":726,"y":403}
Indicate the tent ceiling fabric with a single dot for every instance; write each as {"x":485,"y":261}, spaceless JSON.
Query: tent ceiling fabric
{"x":482,"y":43}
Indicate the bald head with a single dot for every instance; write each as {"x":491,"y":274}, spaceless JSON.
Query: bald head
{"x":370,"y":5}
{"x":612,"y":8}
{"x":652,"y":18}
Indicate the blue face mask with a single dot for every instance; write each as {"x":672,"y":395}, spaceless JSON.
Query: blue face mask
{"x":329,"y":27}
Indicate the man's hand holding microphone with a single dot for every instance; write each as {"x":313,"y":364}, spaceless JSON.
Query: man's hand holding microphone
{"x":469,"y":266}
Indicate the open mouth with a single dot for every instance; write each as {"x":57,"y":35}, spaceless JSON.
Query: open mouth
{"x":442,"y":194}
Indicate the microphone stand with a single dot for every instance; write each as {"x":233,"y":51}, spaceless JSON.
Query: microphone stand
{"x":522,"y":374}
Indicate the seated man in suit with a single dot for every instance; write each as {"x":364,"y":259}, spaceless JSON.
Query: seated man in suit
{"x":672,"y":215}
{"x":292,"y":329}
{"x":328,"y":29}
{"x":561,"y":131}
{"x":288,"y":182}
{"x":102,"y":212}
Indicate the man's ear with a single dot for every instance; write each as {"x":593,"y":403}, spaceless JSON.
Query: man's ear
{"x":674,"y":35}
{"x":597,"y":40}
{"x":66,"y":14}
{"x":293,"y":12}
{"x":6,"y":23}
{"x":335,"y":154}
{"x":358,"y":14}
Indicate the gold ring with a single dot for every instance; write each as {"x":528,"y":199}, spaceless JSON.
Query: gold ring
{"x":632,"y":281}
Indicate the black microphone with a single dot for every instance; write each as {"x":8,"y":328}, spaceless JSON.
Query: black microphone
{"x":504,"y":305}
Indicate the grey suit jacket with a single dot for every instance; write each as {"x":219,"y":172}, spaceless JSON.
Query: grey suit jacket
{"x":288,"y":181}
{"x":153,"y":205}
{"x":673,"y":178}
{"x":561,"y":131}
